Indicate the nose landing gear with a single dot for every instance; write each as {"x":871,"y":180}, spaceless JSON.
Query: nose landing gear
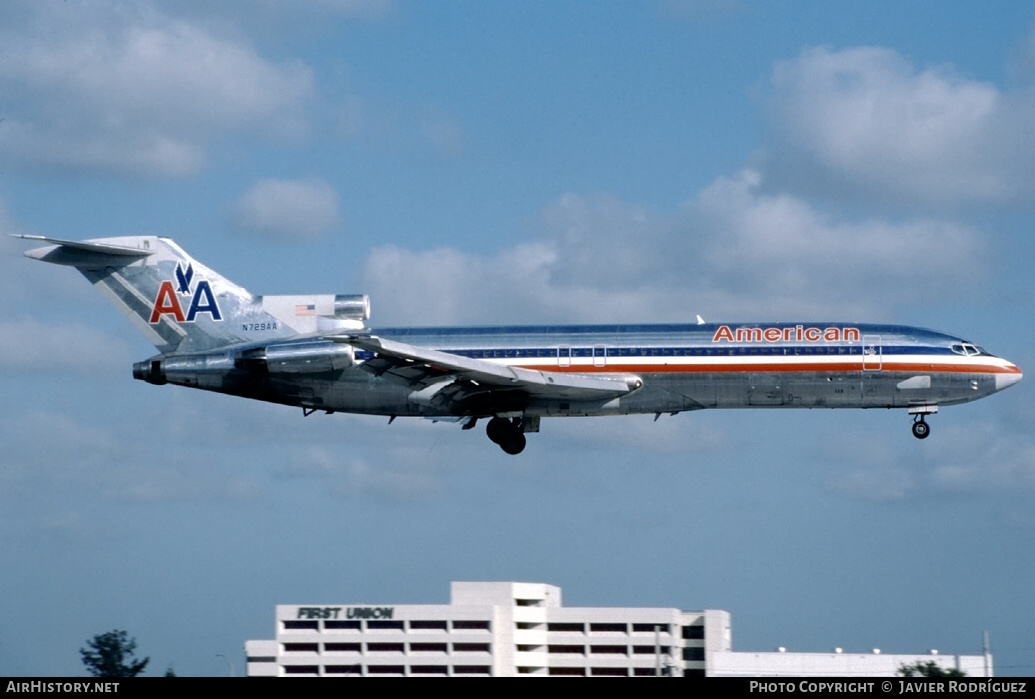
{"x":920,"y":412}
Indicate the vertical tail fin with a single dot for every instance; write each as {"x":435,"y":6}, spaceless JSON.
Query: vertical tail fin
{"x":182,"y":306}
{"x":179,"y":304}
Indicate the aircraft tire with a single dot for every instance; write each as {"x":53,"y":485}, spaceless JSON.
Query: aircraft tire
{"x":496,"y":430}
{"x":921,"y":429}
{"x":514,"y":443}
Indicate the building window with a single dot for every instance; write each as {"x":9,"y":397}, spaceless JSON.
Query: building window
{"x":384,"y":648}
{"x":427,"y":647}
{"x":384,"y":626}
{"x":429,"y":670}
{"x":607,"y":628}
{"x":693,"y":633}
{"x":569,"y":671}
{"x":341,"y":625}
{"x":565,"y":648}
{"x":470,"y":647}
{"x":428,"y":625}
{"x":341,"y":647}
{"x":693,"y":654}
{"x":301,"y":625}
{"x":301,"y":647}
{"x":343,"y":670}
{"x":609,"y":650}
{"x":471,"y":670}
{"x":466,"y":625}
{"x":566,"y":627}
{"x":301,"y":670}
{"x":649,"y":650}
{"x":609,"y":672}
{"x":650,"y":628}
{"x":385,"y":670}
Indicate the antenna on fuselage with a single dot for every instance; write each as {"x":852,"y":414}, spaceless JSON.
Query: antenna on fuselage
{"x":700,"y":320}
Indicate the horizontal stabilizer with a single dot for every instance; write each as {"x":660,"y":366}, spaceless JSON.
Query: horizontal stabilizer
{"x":82,"y":254}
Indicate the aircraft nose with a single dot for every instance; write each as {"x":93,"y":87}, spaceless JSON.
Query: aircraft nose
{"x":1008,"y":378}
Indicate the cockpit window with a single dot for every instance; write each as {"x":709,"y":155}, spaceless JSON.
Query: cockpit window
{"x":968,"y":349}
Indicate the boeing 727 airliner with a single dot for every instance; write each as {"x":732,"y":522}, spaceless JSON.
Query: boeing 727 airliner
{"x":316,"y":352}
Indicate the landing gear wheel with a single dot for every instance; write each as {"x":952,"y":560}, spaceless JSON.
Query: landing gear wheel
{"x":509,"y":434}
{"x":515,"y":442}
{"x":921,"y":429}
{"x":496,"y":429}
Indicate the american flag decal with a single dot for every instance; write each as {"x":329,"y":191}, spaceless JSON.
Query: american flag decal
{"x":305,"y":309}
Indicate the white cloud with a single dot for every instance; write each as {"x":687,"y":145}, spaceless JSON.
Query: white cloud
{"x":699,"y":10}
{"x":67,"y":341}
{"x":284,"y":13}
{"x":32,"y":345}
{"x":978,"y":457}
{"x":63,"y":448}
{"x":985,"y":457}
{"x":121,"y":88}
{"x":441,"y":131}
{"x":365,"y":9}
{"x":876,"y":484}
{"x":390,"y":125}
{"x":288,"y":208}
{"x":50,"y":452}
{"x":450,"y":286}
{"x":780,"y":247}
{"x":865,"y":121}
{"x":731,"y":252}
{"x":398,"y":476}
{"x":671,"y":435}
{"x":1022,"y":59}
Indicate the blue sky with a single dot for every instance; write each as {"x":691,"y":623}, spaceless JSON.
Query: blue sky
{"x":499,"y":162}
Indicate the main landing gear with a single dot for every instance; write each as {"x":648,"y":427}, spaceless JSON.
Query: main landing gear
{"x":509,"y":434}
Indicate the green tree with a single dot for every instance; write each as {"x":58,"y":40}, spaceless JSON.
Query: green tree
{"x":112,"y":655}
{"x":928,"y":668}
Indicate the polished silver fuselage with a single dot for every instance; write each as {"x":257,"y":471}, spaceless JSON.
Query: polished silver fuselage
{"x":682,"y":367}
{"x":317,"y":352}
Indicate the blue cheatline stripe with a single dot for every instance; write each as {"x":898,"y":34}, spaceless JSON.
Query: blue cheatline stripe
{"x":692,"y":330}
{"x":804,"y":351}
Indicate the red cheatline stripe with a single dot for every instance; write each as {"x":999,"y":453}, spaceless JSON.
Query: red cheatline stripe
{"x":819,"y":367}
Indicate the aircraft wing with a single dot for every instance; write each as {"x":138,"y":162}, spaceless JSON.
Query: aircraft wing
{"x":448,"y":378}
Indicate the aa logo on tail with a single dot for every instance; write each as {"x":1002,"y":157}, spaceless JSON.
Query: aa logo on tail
{"x":199,"y":300}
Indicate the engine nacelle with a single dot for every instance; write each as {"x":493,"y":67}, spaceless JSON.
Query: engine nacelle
{"x":198,"y":370}
{"x":352,"y":307}
{"x":310,"y":313}
{"x":299,"y":358}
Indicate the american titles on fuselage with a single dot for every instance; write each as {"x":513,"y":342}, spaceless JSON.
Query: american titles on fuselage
{"x":789,"y":333}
